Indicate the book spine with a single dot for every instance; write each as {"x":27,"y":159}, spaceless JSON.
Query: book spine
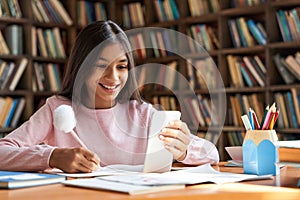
{"x":255,"y":32}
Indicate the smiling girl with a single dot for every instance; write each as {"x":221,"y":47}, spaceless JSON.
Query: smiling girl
{"x":112,"y":119}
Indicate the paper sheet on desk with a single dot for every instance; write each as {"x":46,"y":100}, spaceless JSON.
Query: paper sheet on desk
{"x":103,"y":171}
{"x":201,"y":174}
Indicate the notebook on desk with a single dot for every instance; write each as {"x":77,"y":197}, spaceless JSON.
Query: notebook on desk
{"x":12,"y":179}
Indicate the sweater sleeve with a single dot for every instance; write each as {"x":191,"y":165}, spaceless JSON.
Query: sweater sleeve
{"x":23,"y":149}
{"x":201,"y":151}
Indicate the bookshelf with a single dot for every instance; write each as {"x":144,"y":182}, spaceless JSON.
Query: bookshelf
{"x":263,"y":92}
{"x":20,"y":33}
{"x":128,"y":13}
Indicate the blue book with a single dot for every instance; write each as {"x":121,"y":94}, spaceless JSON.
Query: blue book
{"x":241,"y":33}
{"x":174,"y":9}
{"x":12,"y":180}
{"x":297,"y":20}
{"x":57,"y":75}
{"x":90,"y":11}
{"x":161,"y":10}
{"x":285,"y":31}
{"x":167,"y":42}
{"x":256,"y":32}
{"x":52,"y":12}
{"x":246,"y":77}
{"x":291,"y":105}
{"x":11,"y":113}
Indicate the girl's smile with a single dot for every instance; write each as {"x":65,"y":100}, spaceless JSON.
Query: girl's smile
{"x":110,"y":88}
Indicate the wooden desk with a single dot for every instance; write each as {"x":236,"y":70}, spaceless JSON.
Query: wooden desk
{"x":282,"y":187}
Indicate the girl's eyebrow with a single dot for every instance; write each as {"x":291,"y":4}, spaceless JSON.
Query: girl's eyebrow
{"x":121,"y":60}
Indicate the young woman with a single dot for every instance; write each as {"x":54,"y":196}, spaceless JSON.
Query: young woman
{"x":112,"y":120}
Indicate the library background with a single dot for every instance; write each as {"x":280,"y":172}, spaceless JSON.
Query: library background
{"x":255,"y":44}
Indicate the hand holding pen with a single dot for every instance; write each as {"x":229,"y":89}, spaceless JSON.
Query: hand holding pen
{"x":71,"y":159}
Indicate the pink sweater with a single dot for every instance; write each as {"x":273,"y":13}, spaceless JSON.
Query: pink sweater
{"x":117,"y":135}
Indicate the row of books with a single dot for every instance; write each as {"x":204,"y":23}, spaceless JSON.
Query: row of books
{"x":246,"y":71}
{"x":235,"y":138}
{"x":289,"y":24}
{"x":161,"y":76}
{"x":133,"y":15}
{"x":199,"y":109}
{"x":209,"y":135}
{"x":88,"y":11}
{"x":240,"y":104}
{"x":202,"y":73}
{"x":246,"y":33}
{"x":11,"y":73}
{"x":205,"y":37}
{"x":163,"y":42}
{"x":10,"y":111}
{"x":202,"y":7}
{"x":11,"y":42}
{"x":50,"y":11}
{"x":165,"y":102}
{"x":166,"y":10}
{"x":48,"y":42}
{"x":289,"y":104}
{"x":239,"y":3}
{"x":288,"y":67}
{"x":138,"y":45}
{"x":47,"y":77}
{"x":10,"y":8}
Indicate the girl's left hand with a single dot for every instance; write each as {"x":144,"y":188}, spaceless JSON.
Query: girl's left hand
{"x":176,"y":137}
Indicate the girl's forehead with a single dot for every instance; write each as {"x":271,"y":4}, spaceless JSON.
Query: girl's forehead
{"x":112,"y":52}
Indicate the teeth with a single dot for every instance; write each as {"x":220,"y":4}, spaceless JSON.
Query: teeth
{"x":109,"y":87}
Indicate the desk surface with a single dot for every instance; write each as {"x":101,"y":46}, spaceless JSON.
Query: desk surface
{"x":280,"y":187}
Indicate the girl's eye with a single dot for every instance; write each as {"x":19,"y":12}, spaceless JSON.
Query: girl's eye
{"x":122,"y":66}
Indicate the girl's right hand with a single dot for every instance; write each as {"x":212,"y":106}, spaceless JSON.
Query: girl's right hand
{"x":72,"y":160}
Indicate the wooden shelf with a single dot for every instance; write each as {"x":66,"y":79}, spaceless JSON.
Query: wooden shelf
{"x":244,"y":11}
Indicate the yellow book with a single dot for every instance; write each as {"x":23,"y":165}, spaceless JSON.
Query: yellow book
{"x":5,"y":110}
{"x":246,"y":32}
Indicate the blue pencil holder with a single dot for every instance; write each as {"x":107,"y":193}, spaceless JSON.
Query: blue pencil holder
{"x":260,"y":153}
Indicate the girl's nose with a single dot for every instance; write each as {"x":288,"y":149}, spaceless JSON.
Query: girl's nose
{"x":111,"y":73}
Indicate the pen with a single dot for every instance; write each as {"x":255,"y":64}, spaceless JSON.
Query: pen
{"x":256,"y":123}
{"x":276,"y":115}
{"x":264,"y":115}
{"x":272,"y":121}
{"x":251,"y":118}
{"x":65,"y":121}
{"x":78,"y":139}
{"x":267,"y":120}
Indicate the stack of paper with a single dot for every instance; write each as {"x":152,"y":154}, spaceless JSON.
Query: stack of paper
{"x":136,"y":183}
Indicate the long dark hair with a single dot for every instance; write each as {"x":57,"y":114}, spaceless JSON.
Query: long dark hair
{"x":87,"y":46}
